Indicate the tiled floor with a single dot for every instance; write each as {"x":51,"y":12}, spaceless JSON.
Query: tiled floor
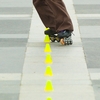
{"x":76,"y":68}
{"x":89,"y":29}
{"x":14,"y":29}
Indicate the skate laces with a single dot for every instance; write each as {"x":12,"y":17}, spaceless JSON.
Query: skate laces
{"x":73,"y":33}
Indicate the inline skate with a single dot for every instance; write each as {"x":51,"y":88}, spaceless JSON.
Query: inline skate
{"x":65,"y":37}
{"x":52,"y":35}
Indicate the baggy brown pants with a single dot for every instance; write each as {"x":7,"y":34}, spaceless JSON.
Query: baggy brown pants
{"x":53,"y":14}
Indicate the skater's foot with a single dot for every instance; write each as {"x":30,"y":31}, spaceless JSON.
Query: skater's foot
{"x":49,"y":32}
{"x":66,"y":41}
{"x":52,"y":35}
{"x":62,"y":41}
{"x":64,"y":33}
{"x":65,"y":37}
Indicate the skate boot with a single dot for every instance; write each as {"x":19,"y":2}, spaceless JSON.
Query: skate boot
{"x":65,"y":37}
{"x":52,"y":35}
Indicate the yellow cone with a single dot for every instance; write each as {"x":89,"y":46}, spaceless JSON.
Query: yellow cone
{"x":49,"y":98}
{"x":48,"y":59}
{"x":46,"y":28}
{"x":48,"y":71}
{"x":47,"y":48}
{"x":47,"y":39}
{"x":48,"y":87}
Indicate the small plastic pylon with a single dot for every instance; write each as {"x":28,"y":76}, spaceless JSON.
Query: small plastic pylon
{"x":46,"y":28}
{"x":48,"y":71}
{"x":48,"y":87}
{"x":47,"y":39}
{"x":48,"y":59}
{"x":49,"y":98}
{"x":47,"y":48}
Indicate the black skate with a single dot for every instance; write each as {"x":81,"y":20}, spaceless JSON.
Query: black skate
{"x":65,"y":37}
{"x":52,"y":35}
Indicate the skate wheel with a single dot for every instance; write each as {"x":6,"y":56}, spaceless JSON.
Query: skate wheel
{"x":69,"y":43}
{"x":62,"y":42}
{"x":52,"y":39}
{"x":66,"y":41}
{"x":57,"y":39}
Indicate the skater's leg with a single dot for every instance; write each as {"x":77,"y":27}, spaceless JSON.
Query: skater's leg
{"x":64,"y":26}
{"x":63,"y":21}
{"x":54,"y":15}
{"x":65,"y":37}
{"x":52,"y":35}
{"x":45,"y":13}
{"x":47,"y":18}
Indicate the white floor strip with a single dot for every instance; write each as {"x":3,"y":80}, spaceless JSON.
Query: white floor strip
{"x":10,"y":76}
{"x":13,"y":35}
{"x":14,"y":15}
{"x":32,"y":85}
{"x":88,"y":16}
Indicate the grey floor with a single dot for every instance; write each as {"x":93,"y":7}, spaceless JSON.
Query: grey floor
{"x":90,"y":34}
{"x":14,"y":32}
